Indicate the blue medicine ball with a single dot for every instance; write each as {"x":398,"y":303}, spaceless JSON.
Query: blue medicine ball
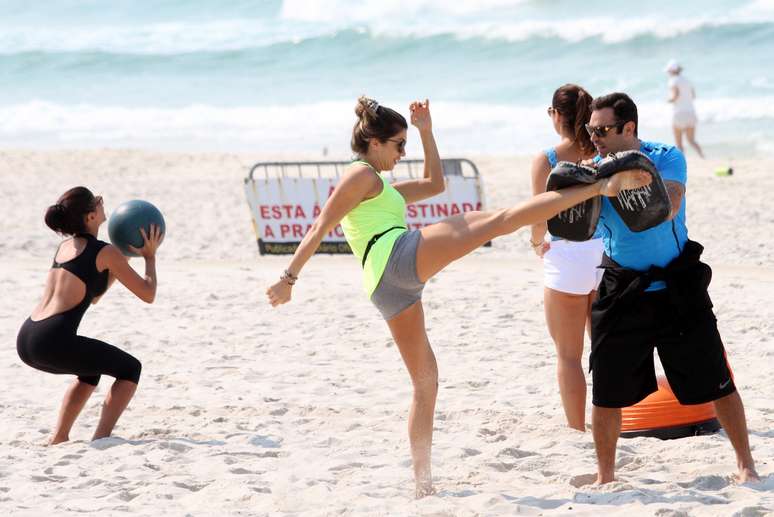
{"x":126,"y":221}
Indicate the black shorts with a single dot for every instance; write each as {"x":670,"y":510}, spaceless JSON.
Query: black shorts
{"x":693,"y":356}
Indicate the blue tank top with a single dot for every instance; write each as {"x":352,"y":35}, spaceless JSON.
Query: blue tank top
{"x":551,"y":155}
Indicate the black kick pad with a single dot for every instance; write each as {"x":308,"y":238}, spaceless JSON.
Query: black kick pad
{"x":579,"y":222}
{"x":641,"y":208}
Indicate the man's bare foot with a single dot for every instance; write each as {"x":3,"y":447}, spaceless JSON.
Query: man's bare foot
{"x":747,"y":475}
{"x":424,"y":490}
{"x":607,"y":478}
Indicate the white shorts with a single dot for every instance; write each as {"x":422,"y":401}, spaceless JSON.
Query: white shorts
{"x":684,"y":119}
{"x":571,"y":267}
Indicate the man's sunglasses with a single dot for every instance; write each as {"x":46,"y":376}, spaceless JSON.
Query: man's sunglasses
{"x":602,"y":131}
{"x":401,"y":143}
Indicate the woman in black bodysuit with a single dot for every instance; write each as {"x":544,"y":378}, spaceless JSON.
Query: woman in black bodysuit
{"x":83,"y":269}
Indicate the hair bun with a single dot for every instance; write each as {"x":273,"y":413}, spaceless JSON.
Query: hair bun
{"x":374,"y":121}
{"x":366,"y":106}
{"x":59,"y":210}
{"x":56,"y":215}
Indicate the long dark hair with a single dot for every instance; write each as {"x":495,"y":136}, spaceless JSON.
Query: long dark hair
{"x":574,"y":104}
{"x":68,"y":215}
{"x":374,"y":121}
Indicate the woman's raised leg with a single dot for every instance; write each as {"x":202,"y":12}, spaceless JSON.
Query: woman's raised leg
{"x":408,"y":330}
{"x":455,"y":237}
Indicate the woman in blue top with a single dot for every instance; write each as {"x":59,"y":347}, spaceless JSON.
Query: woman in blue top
{"x":570,"y":269}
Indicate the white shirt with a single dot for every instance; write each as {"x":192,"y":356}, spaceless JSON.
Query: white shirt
{"x":684,"y":101}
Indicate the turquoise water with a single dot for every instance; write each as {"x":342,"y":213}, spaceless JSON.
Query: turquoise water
{"x":283,"y":75}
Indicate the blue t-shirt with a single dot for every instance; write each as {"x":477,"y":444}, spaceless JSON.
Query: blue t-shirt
{"x":659,"y":245}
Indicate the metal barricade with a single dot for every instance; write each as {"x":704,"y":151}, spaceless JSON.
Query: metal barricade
{"x":285,"y":198}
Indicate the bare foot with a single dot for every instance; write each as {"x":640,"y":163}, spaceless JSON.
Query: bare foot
{"x":601,"y":480}
{"x":58,"y":439}
{"x":747,"y":475}
{"x":424,"y":490}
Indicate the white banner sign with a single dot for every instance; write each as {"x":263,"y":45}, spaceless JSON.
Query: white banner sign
{"x":284,"y":209}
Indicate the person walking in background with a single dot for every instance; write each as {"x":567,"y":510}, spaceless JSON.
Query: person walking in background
{"x":681,"y":95}
{"x":570,"y":270}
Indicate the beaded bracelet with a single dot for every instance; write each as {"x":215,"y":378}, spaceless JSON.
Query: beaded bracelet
{"x":288,"y":277}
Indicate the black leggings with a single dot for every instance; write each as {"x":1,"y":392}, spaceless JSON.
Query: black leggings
{"x":51,"y":345}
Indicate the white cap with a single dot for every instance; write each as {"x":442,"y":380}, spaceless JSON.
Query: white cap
{"x":672,"y":66}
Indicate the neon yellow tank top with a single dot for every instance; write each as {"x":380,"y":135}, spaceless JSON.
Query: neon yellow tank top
{"x":372,"y":217}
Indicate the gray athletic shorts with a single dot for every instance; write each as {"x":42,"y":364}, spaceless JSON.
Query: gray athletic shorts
{"x":399,"y":287}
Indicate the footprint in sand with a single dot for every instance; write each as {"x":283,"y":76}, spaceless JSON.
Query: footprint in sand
{"x":54,"y":479}
{"x":90,"y":483}
{"x":513,"y":452}
{"x":580,"y":480}
{"x":707,"y":483}
{"x":266,"y":442}
{"x":175,"y":446}
{"x":189,"y":486}
{"x":345,"y":466}
{"x":125,"y":496}
{"x":502,"y":466}
{"x":753,"y":511}
{"x":667,"y":512}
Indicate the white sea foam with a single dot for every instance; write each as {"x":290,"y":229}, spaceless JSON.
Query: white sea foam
{"x":372,"y":10}
{"x":759,"y":7}
{"x":154,"y":38}
{"x":304,"y":19}
{"x":460,"y":127}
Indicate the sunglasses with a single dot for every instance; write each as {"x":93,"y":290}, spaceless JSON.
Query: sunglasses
{"x":551,"y":110}
{"x":401,"y":143}
{"x":602,"y":131}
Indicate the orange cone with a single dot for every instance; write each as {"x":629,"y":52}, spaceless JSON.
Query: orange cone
{"x":660,"y":415}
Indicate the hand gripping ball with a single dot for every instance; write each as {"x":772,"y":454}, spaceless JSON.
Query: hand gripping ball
{"x":125,"y":223}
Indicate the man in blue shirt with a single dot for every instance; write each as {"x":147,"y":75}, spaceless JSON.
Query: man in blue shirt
{"x":654,"y":295}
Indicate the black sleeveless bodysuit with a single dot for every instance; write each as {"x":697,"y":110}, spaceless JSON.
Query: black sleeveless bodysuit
{"x":52,"y":344}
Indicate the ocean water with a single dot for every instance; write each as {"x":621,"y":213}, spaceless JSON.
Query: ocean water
{"x":283,"y":75}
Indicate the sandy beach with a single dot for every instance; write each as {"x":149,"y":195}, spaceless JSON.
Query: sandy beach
{"x":247,"y":410}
